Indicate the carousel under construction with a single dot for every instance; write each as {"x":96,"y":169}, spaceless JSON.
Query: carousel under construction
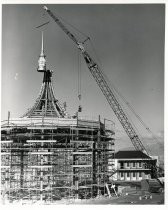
{"x":48,"y":155}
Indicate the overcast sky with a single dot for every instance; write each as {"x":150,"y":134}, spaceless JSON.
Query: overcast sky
{"x":128,"y":40}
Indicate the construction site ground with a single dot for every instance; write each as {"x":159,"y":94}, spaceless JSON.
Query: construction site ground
{"x":131,"y":199}
{"x":127,"y":199}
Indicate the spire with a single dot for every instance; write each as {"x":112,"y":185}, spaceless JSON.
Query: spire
{"x":46,"y":104}
{"x":42,"y":45}
{"x":42,"y":60}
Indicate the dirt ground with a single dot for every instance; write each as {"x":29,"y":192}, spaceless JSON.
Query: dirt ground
{"x":131,"y":199}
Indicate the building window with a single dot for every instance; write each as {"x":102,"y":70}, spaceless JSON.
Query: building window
{"x":122,"y":174}
{"x":134,"y":174}
{"x":121,"y":165}
{"x":133,"y":165}
{"x":128,"y":174}
{"x":128,"y":164}
{"x":140,"y":174}
{"x":140,"y":164}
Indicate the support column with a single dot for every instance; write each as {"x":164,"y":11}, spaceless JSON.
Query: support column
{"x":21,"y":170}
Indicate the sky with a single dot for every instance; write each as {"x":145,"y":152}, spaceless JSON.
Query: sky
{"x":126,"y":40}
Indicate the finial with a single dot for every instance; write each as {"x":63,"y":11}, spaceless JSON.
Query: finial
{"x":42,"y":45}
{"x":42,"y":60}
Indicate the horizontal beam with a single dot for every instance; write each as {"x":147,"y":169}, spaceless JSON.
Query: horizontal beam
{"x":41,"y":153}
{"x":82,"y":153}
{"x":41,"y":141}
{"x":81,"y":166}
{"x":6,"y":142}
{"x":44,"y":166}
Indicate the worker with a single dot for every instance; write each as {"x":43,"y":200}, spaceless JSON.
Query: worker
{"x":113,"y":187}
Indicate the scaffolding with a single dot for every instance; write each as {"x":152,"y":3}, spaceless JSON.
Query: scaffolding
{"x":46,"y":160}
{"x":48,"y":155}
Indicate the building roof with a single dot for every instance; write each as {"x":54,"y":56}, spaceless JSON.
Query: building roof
{"x":131,"y":154}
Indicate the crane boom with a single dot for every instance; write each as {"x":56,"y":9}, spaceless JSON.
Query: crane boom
{"x":109,"y":95}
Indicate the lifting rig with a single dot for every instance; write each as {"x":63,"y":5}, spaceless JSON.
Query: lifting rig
{"x":102,"y":83}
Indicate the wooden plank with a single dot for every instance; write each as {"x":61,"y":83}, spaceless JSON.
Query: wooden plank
{"x":82,"y":153}
{"x":41,"y":141}
{"x":81,"y":166}
{"x":41,"y":153}
{"x":45,"y":166}
{"x":6,"y":142}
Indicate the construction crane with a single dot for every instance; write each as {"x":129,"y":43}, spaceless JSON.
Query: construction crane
{"x":103,"y":85}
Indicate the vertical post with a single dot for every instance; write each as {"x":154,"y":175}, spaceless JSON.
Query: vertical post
{"x":94,"y":165}
{"x":77,"y":117}
{"x":104,"y":123}
{"x":98,"y":159}
{"x":77,"y":184}
{"x":43,"y":112}
{"x":75,"y":169}
{"x":75,"y":176}
{"x":41,"y":176}
{"x":8,"y":117}
{"x":21,"y":170}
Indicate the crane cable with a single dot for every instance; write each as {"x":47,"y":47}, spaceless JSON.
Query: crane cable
{"x":79,"y":80}
{"x":78,"y":59}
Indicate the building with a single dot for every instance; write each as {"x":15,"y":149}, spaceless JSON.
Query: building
{"x":133,"y":166}
{"x":47,"y":155}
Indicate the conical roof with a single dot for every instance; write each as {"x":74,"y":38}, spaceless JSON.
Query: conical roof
{"x":46,"y":104}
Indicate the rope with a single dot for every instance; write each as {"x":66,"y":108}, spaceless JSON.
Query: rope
{"x":79,"y":75}
{"x":79,"y":81}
